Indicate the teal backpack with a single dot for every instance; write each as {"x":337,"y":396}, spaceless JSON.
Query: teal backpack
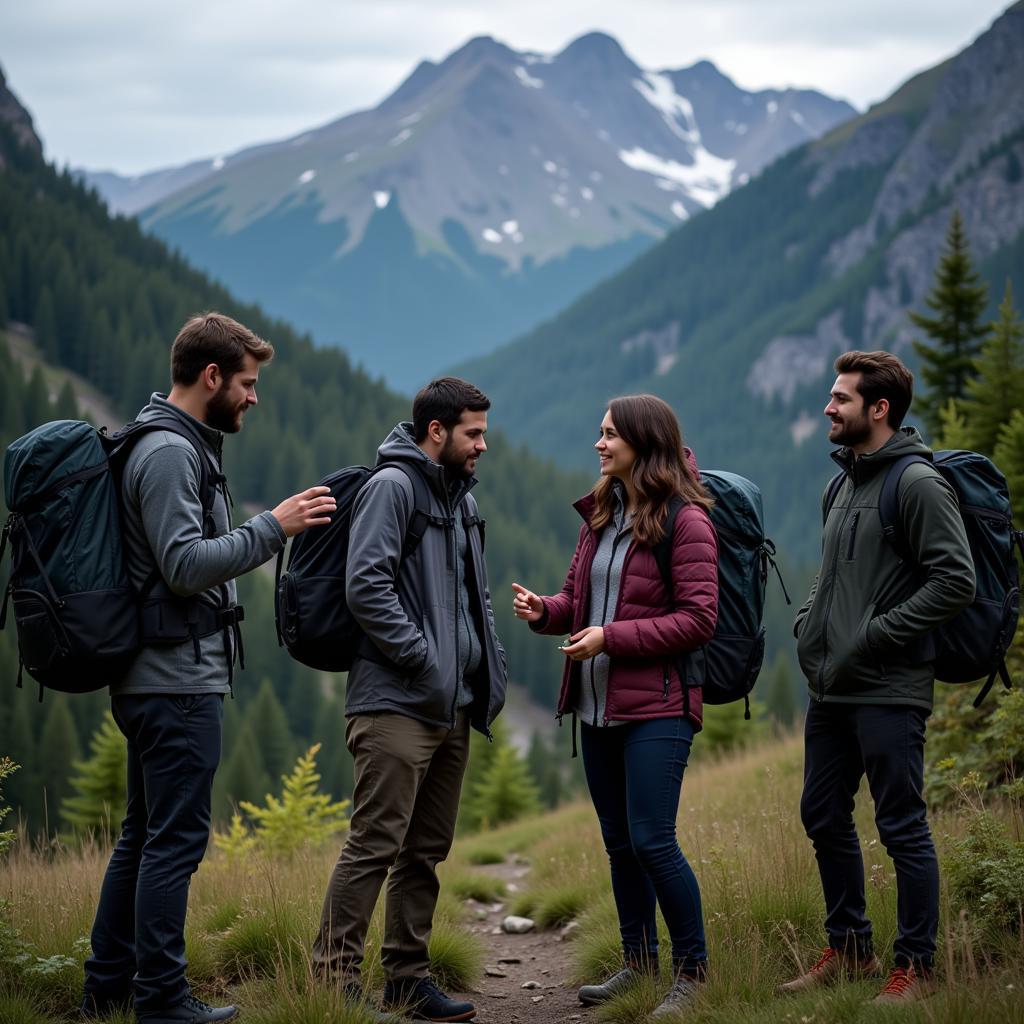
{"x":728,"y":665}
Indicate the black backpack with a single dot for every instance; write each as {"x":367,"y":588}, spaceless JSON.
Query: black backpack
{"x":973,"y":644}
{"x":313,"y":618}
{"x":728,"y":665}
{"x":79,"y":620}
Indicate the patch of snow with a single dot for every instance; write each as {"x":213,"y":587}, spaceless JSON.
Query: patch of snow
{"x":349,"y":157}
{"x":587,"y":193}
{"x":527,"y":79}
{"x":706,"y":179}
{"x":538,"y":58}
{"x":217,"y":163}
{"x":411,"y":118}
{"x":665,"y":363}
{"x":803,"y":427}
{"x":550,"y":166}
{"x":510,"y":227}
{"x":402,"y":136}
{"x":306,"y":177}
{"x":558,"y":199}
{"x":679,"y":210}
{"x":381,"y":199}
{"x":667,"y":186}
{"x":490,"y":235}
{"x":798,"y":118}
{"x":659,"y":91}
{"x":772,"y":107}
{"x":742,"y":129}
{"x":302,"y":139}
{"x":743,"y":178}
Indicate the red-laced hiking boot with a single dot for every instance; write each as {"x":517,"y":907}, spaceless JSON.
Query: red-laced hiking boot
{"x":907,"y":985}
{"x":830,"y":969}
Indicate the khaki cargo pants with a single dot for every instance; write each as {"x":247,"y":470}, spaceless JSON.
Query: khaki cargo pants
{"x":408,"y":776}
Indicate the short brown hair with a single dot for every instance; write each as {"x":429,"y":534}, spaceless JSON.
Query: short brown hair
{"x":882,"y":375}
{"x":445,"y":400}
{"x":214,"y":338}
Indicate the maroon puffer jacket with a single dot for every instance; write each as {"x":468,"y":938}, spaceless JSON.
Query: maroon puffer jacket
{"x":651,"y":628}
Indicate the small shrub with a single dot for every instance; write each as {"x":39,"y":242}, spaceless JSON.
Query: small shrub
{"x":264,"y":942}
{"x":483,"y":854}
{"x":20,"y":1008}
{"x":986,"y":876}
{"x":456,"y":956}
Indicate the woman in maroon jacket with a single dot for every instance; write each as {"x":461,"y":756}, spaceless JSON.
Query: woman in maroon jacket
{"x":625,"y":676}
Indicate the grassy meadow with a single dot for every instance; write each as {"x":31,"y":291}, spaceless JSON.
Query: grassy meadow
{"x":252,"y":918}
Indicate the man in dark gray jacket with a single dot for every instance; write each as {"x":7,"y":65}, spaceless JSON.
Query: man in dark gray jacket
{"x":430,"y":667}
{"x":864,"y":645}
{"x":169,"y":704}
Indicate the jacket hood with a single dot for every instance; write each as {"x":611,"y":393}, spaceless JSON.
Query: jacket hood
{"x":400,"y":446}
{"x":906,"y":441}
{"x":159,"y":406}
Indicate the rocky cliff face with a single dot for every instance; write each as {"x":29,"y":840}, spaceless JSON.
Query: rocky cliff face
{"x":13,"y":114}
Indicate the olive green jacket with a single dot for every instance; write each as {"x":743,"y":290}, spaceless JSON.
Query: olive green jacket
{"x":863,"y":635}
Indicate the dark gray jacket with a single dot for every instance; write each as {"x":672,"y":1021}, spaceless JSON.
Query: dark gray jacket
{"x":409,"y":608}
{"x":163,"y":529}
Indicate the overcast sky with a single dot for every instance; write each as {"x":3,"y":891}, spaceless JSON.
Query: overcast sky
{"x":133,"y":86}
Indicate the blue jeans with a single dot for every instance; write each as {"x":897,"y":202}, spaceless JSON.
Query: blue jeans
{"x":634,"y":772}
{"x":138,"y":937}
{"x":842,"y":743}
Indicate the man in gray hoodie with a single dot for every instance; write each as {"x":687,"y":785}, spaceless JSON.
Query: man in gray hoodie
{"x":431,"y":666}
{"x":183,"y":557}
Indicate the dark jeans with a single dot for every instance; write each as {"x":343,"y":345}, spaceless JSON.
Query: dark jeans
{"x":139,"y":933}
{"x":634,"y":772}
{"x":842,"y":743}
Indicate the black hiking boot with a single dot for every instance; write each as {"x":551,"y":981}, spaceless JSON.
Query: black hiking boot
{"x":191,"y":1011}
{"x":591,"y":995}
{"x":421,"y":999}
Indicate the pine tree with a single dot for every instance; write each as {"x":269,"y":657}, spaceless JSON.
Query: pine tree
{"x":998,"y":388}
{"x":1009,"y":457}
{"x":958,"y":299}
{"x":100,"y":785}
{"x":243,"y":776}
{"x":270,"y":731}
{"x":44,"y":321}
{"x":954,"y":430}
{"x":66,"y":406}
{"x":505,"y":793}
{"x":58,"y":752}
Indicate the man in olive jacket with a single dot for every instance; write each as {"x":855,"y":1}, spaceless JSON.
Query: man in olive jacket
{"x":864,"y":644}
{"x":431,"y":666}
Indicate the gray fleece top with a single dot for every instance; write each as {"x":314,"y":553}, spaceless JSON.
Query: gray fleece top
{"x":163,"y":529}
{"x":605,"y":582}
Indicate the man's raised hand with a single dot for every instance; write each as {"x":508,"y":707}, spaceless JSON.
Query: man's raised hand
{"x":311,"y":507}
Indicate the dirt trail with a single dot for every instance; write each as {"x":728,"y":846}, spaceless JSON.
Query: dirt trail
{"x":541,"y":957}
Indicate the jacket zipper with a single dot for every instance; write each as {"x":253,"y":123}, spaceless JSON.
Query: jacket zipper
{"x":853,"y":536}
{"x":828,"y":604}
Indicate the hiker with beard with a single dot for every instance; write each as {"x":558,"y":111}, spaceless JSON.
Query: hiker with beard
{"x":864,"y":644}
{"x":430,"y":666}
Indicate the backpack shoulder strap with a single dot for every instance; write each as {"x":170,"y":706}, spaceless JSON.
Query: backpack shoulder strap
{"x":663,"y":549}
{"x":831,"y":493}
{"x":889,"y":507}
{"x":422,"y":517}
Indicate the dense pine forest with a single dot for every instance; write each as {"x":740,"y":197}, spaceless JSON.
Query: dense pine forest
{"x":94,"y":296}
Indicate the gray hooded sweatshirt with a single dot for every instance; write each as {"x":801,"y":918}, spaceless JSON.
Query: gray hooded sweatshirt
{"x":432,"y":647}
{"x":163,"y":529}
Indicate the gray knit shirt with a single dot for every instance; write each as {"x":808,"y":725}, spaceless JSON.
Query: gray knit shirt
{"x":605,"y":581}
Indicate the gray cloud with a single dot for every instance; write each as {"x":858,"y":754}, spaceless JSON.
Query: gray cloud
{"x":135,"y":86}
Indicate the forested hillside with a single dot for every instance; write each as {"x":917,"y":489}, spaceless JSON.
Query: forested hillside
{"x":105,"y":301}
{"x":737,"y":316}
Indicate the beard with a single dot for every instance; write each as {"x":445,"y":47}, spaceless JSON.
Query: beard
{"x":224,"y":415}
{"x":455,"y":465}
{"x":852,"y":432}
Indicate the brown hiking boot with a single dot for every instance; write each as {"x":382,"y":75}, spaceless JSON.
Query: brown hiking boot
{"x":830,"y":969}
{"x":907,"y":985}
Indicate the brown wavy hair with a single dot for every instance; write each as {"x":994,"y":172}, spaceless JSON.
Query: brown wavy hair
{"x":661,"y":470}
